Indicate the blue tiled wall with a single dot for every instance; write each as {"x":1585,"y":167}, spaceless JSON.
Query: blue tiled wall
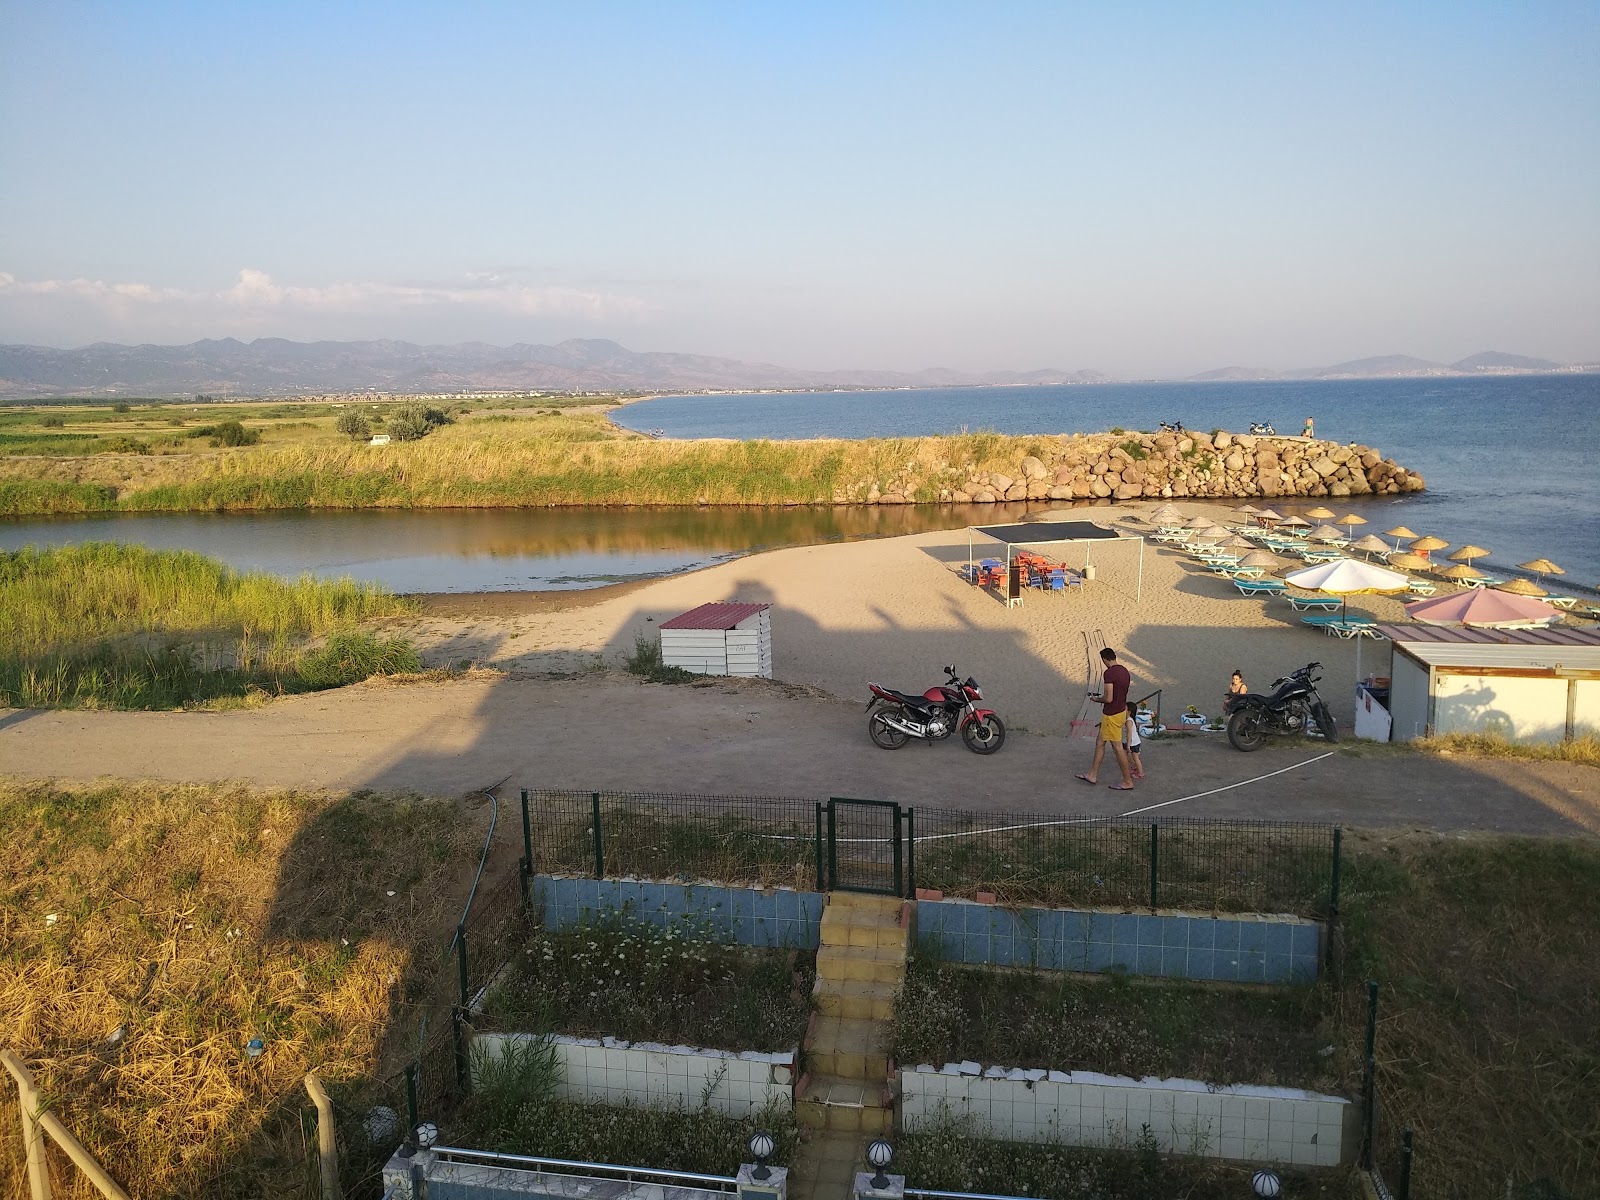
{"x":1233,"y":949}
{"x":781,"y":919}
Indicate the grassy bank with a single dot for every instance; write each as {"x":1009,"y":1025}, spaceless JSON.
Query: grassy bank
{"x":103,"y":624}
{"x":150,"y":932}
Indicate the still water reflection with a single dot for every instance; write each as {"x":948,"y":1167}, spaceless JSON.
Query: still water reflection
{"x":493,"y":550}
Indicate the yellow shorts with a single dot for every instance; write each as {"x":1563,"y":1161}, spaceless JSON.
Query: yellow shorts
{"x":1111,"y":726}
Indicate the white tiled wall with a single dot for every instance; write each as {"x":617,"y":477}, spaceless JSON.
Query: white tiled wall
{"x":1082,"y":1108}
{"x":608,"y":1071}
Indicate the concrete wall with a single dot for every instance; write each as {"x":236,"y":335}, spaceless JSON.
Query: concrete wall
{"x":780,"y":918}
{"x":609,"y":1071}
{"x":470,"y":1181}
{"x":1082,"y":1108}
{"x":1240,"y":948}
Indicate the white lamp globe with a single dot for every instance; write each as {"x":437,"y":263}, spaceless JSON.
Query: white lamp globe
{"x":1266,"y":1183}
{"x":427,"y":1134}
{"x":880,"y":1154}
{"x":762,"y":1145}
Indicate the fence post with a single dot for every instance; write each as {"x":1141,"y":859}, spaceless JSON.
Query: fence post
{"x":1155,"y":860}
{"x":1333,"y":890}
{"x":33,"y":1147}
{"x":327,"y":1137}
{"x":461,"y":961}
{"x":1405,"y":1164}
{"x":822,"y":884}
{"x":527,"y":850}
{"x":1369,"y":1086}
{"x":412,"y":1119}
{"x":458,"y":1037}
{"x":599,"y":843}
{"x":911,"y":854}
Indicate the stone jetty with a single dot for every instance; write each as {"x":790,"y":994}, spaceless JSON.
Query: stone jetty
{"x":1134,"y":466}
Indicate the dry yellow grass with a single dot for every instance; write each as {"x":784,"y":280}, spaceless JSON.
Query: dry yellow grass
{"x":151,"y":931}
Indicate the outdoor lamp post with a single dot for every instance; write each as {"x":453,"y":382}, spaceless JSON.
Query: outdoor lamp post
{"x":880,"y":1154}
{"x":1266,"y":1184}
{"x":761,"y":1147}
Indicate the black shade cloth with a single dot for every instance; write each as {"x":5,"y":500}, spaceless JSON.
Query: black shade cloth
{"x":1046,"y":531}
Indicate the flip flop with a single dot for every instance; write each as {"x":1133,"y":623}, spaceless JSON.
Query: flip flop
{"x":1085,"y":779}
{"x":1117,"y":787}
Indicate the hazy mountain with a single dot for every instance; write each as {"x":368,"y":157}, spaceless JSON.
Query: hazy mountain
{"x":273,"y":366}
{"x":1395,"y":366}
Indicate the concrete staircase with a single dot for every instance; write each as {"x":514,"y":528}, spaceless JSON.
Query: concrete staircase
{"x":844,"y":1098}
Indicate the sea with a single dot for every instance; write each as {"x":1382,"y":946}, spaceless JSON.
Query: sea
{"x":1511,"y":462}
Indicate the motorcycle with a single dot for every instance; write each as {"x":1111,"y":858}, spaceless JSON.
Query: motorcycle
{"x":1254,"y":717}
{"x":894,"y":718}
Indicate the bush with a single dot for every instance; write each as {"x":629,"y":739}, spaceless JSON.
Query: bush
{"x":51,"y":422}
{"x":121,"y":445}
{"x":351,"y":657}
{"x":232,"y":433}
{"x":1134,"y":450}
{"x":120,"y":406}
{"x":413,"y":421}
{"x":354,"y":426}
{"x":646,"y":661}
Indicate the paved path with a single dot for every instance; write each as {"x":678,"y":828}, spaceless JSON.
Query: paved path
{"x":754,"y":737}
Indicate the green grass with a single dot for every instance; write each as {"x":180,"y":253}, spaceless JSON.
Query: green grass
{"x":1584,"y":749}
{"x":629,"y":979}
{"x":109,"y":625}
{"x":646,"y":661}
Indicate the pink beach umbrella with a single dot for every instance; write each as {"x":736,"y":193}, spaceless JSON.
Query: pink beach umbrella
{"x":1483,"y":606}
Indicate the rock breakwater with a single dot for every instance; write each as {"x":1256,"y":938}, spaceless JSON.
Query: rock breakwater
{"x":1134,"y":466}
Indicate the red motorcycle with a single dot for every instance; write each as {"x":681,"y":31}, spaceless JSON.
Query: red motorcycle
{"x":894,"y":718}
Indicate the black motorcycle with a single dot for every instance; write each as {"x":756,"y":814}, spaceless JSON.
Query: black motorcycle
{"x":1254,"y":717}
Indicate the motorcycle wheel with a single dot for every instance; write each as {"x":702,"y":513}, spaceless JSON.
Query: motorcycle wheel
{"x":1325,"y":723}
{"x":884,"y":734}
{"x":985,"y":735}
{"x":1245,"y":730}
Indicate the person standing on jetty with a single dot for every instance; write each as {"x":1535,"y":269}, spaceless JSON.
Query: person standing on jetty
{"x":1306,"y":432}
{"x":1113,"y":697}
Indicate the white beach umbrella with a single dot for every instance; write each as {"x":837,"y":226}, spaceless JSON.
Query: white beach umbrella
{"x":1349,"y":577}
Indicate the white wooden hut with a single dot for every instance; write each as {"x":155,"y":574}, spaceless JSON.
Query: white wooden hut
{"x":720,"y":639}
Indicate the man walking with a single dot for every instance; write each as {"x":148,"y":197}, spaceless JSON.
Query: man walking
{"x":1113,"y":697}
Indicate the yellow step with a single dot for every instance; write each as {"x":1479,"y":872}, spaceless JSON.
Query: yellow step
{"x":844,"y":1106}
{"x":865,"y":902}
{"x":878,"y":964}
{"x":860,"y":927}
{"x":865,"y":999}
{"x":848,"y":1048}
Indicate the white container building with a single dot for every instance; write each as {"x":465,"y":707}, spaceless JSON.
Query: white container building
{"x":720,"y":639}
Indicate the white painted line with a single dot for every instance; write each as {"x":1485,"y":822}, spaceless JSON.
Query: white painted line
{"x":1228,"y":787}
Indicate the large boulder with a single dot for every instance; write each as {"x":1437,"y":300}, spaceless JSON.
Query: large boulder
{"x":984,"y":497}
{"x":1017,"y":491}
{"x":1129,"y":491}
{"x":1032,"y":468}
{"x":1223,"y":440}
{"x":1324,"y":466}
{"x":1099,"y":488}
{"x":961,"y":497}
{"x":1234,"y":461}
{"x":1000,"y":483}
{"x":1060,"y":492}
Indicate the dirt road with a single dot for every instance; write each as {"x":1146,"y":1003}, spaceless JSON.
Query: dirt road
{"x":608,"y":731}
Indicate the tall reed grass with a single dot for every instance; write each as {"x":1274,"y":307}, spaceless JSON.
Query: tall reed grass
{"x":109,"y":625}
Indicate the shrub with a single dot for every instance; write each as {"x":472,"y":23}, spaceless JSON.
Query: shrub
{"x":121,"y":445}
{"x":350,"y":657}
{"x":51,"y":422}
{"x":646,"y":661}
{"x":1134,"y":450}
{"x":120,"y":406}
{"x":232,"y":433}
{"x":353,"y":425}
{"x":412,"y":421}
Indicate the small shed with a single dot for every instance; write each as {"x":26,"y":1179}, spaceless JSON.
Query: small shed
{"x":1538,"y":685}
{"x":720,"y":639}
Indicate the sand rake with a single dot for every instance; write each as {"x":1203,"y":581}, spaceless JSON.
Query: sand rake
{"x":1087,"y":723}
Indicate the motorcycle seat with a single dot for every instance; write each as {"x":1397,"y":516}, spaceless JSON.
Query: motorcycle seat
{"x":914,"y":701}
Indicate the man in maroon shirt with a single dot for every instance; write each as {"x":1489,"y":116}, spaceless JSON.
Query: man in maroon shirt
{"x":1113,"y":697}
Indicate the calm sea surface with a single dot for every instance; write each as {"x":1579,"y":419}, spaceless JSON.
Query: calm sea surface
{"x":1511,"y":462}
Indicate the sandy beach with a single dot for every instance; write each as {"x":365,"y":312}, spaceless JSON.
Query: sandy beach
{"x":894,"y":611}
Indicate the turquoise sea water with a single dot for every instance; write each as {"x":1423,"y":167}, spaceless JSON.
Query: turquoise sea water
{"x":1511,"y":462}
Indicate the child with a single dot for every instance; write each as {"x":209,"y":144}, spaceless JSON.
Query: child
{"x":1131,"y":731}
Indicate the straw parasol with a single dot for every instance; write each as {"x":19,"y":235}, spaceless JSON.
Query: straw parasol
{"x":1521,"y":587}
{"x":1295,"y":521}
{"x":1467,"y":553}
{"x":1542,"y":567}
{"x":1320,"y":514}
{"x":1268,"y":516}
{"x":1370,"y":545}
{"x":1208,"y":536}
{"x":1352,"y":520}
{"x":1249,"y":510}
{"x":1409,"y":562}
{"x":1398,"y":532}
{"x":1198,"y":522}
{"x":1259,"y":558}
{"x":1424,"y":544}
{"x":1327,"y":533}
{"x":1460,"y":573}
{"x":1239,"y":543}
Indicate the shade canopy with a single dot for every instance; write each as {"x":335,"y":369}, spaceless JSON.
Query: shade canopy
{"x":1521,"y":587}
{"x":1409,"y":562}
{"x":1268,"y":514}
{"x":1371,"y":544}
{"x":1198,"y":522}
{"x":1320,"y":513}
{"x":1348,"y":577}
{"x":1207,"y":536}
{"x":1326,"y":533}
{"x":1030,"y":532}
{"x":1239,"y":543}
{"x":1482,"y":606}
{"x":1352,"y":519}
{"x":1429,"y":543}
{"x":1258,"y":558}
{"x":1400,"y":531}
{"x":1467,"y":553}
{"x":1249,"y":509}
{"x":1296,"y":521}
{"x":1542,"y":566}
{"x":1461,"y":572}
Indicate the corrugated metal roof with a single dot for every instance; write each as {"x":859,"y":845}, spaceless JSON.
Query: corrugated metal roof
{"x":1038,"y":532}
{"x":715,"y":616}
{"x":1469,"y":635}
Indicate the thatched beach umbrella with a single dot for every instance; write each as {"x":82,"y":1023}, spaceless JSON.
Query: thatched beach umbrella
{"x":1238,"y":543}
{"x":1198,"y":522}
{"x":1351,"y":520}
{"x":1409,"y":562}
{"x":1424,"y":544}
{"x":1370,"y":545}
{"x":1467,"y":553}
{"x":1542,"y":567}
{"x":1461,"y":574}
{"x":1327,"y":533}
{"x":1208,"y":537}
{"x":1320,"y":514}
{"x":1398,"y":532}
{"x":1521,"y":587}
{"x":1268,"y":514}
{"x":1259,"y":558}
{"x":1298,"y":521}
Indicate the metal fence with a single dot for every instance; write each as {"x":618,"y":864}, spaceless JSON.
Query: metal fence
{"x":1023,"y":858}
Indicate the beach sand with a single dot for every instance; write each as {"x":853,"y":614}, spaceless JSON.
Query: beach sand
{"x":894,"y":611}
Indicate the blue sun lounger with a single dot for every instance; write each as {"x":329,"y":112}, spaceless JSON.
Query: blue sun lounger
{"x":1258,"y":587}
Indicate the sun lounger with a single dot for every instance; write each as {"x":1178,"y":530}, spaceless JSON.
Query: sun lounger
{"x":1321,"y":556}
{"x":1313,"y":603}
{"x":1420,"y":587}
{"x":1345,"y":626}
{"x":1258,"y":587}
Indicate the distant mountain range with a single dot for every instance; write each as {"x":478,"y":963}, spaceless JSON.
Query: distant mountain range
{"x":275,"y":367}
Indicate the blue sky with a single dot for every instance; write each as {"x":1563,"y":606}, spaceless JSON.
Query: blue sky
{"x":1141,"y":189}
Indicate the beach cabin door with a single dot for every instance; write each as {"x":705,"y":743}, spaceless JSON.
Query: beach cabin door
{"x":864,"y":846}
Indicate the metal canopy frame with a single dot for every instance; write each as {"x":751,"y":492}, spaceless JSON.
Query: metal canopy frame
{"x":1138,"y":591}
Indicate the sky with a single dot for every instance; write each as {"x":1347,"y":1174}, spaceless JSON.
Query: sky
{"x":1146,"y":190}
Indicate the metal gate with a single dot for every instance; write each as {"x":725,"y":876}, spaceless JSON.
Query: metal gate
{"x":865,"y":842}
